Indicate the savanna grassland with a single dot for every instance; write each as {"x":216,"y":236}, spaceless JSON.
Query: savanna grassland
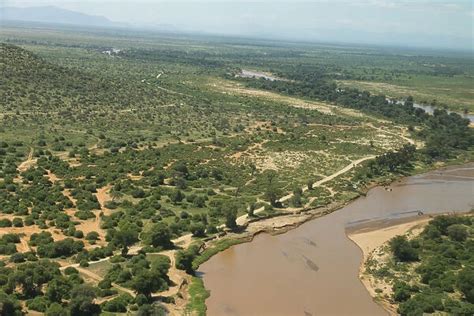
{"x":123,"y":155}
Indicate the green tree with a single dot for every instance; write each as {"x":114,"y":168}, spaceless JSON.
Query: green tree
{"x":158,"y":236}
{"x":197,"y":229}
{"x":147,"y":282}
{"x":271,"y":189}
{"x":466,"y":283}
{"x":58,"y":289}
{"x":9,"y":305}
{"x":56,"y":309}
{"x":82,"y":301}
{"x":126,"y":235}
{"x":402,"y":249}
{"x":458,"y":232}
{"x":184,"y":258}
{"x":230,"y":218}
{"x":176,"y":196}
{"x":30,"y":277}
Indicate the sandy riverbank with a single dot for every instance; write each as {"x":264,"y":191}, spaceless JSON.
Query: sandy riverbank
{"x":371,"y":240}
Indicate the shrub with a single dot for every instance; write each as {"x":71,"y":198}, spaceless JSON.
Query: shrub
{"x":197,"y":229}
{"x":56,"y":309}
{"x":39,"y":304}
{"x":458,"y":232}
{"x":5,"y":222}
{"x":17,"y":257}
{"x":466,"y":283}
{"x":403,"y":250}
{"x":70,"y":271}
{"x":92,"y":236}
{"x":118,"y":304}
{"x":17,"y":222}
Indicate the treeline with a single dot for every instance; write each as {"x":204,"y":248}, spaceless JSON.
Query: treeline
{"x":442,"y":261}
{"x":443,"y":132}
{"x":46,"y":289}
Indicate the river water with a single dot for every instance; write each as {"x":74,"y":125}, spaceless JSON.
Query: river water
{"x":313,"y":269}
{"x":430,"y":109}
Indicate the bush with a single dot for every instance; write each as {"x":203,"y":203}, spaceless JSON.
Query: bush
{"x":17,"y":222}
{"x":7,"y":248}
{"x":118,"y":304}
{"x":138,"y":193}
{"x":56,"y":309}
{"x":466,"y":283}
{"x":401,"y":291}
{"x":17,"y":257}
{"x":141,"y":300}
{"x":5,"y":222}
{"x":403,"y":250}
{"x":84,"y":215}
{"x":184,"y":258}
{"x":92,"y":236}
{"x":197,"y":229}
{"x":39,"y":304}
{"x":70,"y":271}
{"x":9,"y":305}
{"x":458,"y":232}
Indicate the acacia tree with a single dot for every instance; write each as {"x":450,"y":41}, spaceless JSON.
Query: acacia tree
{"x":30,"y":277}
{"x":148,"y":282}
{"x":82,"y":301}
{"x":126,"y":235}
{"x":271,"y":190}
{"x":158,"y":236}
{"x":231,"y":217}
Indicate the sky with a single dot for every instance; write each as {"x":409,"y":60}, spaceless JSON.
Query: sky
{"x":417,"y":23}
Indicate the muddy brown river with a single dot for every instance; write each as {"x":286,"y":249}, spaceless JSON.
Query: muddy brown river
{"x":313,"y":270}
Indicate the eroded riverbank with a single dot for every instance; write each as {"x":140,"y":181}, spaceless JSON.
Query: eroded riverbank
{"x":308,"y":270}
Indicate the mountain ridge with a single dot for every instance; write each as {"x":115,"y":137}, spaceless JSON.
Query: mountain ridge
{"x":56,"y":15}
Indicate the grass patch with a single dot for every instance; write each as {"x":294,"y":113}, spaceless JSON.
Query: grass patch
{"x":198,"y":295}
{"x":219,"y":246}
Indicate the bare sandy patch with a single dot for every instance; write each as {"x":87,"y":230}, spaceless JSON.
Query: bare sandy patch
{"x":28,"y":163}
{"x":371,"y":241}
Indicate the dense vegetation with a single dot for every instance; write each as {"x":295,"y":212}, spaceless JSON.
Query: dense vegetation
{"x":433,"y":272}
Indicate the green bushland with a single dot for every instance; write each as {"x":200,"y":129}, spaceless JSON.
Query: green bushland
{"x":433,"y":272}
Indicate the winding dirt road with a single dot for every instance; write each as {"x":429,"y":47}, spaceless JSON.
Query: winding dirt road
{"x":243,"y":219}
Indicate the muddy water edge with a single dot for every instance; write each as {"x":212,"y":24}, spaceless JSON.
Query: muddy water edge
{"x":313,"y":269}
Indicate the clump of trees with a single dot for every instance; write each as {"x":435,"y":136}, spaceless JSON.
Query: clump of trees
{"x":66,"y":247}
{"x":45,"y":289}
{"x":158,"y":236}
{"x":185,"y":258}
{"x":443,"y":253}
{"x":144,"y":276}
{"x":444,"y":133}
{"x":403,"y":250}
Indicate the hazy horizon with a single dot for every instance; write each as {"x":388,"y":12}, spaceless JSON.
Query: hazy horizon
{"x":419,"y":23}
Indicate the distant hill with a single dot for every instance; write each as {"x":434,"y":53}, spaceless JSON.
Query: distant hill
{"x":52,"y":14}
